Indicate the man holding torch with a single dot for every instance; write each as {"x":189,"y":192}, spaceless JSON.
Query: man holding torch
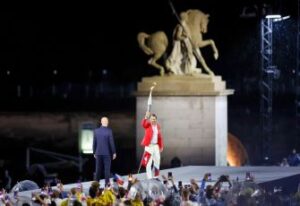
{"x":152,"y":141}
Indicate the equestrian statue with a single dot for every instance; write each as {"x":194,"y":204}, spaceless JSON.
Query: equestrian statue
{"x":187,"y":41}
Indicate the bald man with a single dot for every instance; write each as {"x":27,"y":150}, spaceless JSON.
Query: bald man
{"x":103,"y":149}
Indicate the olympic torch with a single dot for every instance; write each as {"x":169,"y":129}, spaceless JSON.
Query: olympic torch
{"x":149,"y":103}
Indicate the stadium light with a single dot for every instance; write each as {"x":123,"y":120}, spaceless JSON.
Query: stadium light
{"x":273,"y":16}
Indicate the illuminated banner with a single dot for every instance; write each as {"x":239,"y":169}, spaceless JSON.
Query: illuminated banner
{"x":86,"y":135}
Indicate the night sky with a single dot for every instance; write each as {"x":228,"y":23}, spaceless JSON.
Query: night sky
{"x":80,"y":44}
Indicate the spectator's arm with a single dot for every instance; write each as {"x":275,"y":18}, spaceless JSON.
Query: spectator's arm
{"x":8,"y":203}
{"x":130,"y":183}
{"x":42,"y":202}
{"x":230,"y":184}
{"x":201,"y":192}
{"x":217,"y":186}
{"x":173,"y":185}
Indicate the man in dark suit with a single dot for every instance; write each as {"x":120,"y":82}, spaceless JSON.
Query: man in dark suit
{"x":103,"y":149}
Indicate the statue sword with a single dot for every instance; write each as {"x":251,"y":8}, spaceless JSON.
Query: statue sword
{"x":198,"y":55}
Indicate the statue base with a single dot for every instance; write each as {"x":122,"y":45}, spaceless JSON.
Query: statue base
{"x":192,"y":112}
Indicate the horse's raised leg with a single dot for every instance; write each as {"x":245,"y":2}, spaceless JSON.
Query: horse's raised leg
{"x":202,"y":61}
{"x":152,"y":62}
{"x":210,"y":42}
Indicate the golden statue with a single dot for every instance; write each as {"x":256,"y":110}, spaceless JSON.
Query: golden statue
{"x":155,"y":46}
{"x":187,"y":41}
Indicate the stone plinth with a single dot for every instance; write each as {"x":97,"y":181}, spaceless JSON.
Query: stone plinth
{"x":192,"y":112}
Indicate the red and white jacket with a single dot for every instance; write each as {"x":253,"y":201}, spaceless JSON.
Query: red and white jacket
{"x":149,"y":133}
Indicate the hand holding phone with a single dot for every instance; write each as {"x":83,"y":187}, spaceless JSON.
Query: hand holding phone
{"x":170,"y":176}
{"x":130,"y":177}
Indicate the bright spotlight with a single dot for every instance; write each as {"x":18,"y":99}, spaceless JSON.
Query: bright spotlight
{"x":286,"y":17}
{"x":282,"y":18}
{"x":273,"y":16}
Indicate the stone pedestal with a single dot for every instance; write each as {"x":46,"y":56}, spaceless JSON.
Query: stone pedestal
{"x":192,"y":112}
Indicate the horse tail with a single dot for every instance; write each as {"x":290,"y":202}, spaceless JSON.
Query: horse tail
{"x":141,"y":38}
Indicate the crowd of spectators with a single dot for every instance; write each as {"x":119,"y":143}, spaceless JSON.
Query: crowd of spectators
{"x":221,"y":191}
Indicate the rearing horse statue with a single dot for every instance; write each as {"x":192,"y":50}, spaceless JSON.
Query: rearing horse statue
{"x":187,"y":41}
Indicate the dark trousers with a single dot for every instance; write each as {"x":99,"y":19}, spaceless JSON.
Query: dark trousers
{"x":103,"y":163}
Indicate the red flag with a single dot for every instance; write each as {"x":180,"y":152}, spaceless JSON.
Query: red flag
{"x":146,"y":158}
{"x":118,"y":179}
{"x":156,"y":172}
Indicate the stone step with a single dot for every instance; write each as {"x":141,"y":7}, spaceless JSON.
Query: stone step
{"x":183,"y":86}
{"x":182,"y":78}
